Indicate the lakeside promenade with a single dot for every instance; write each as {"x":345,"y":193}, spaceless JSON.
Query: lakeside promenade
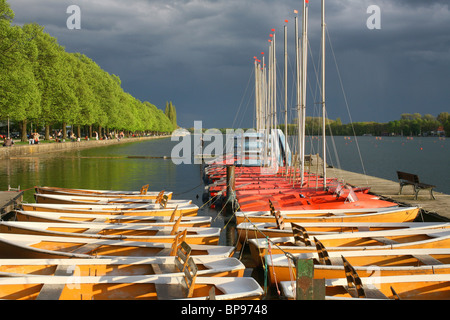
{"x":36,"y":149}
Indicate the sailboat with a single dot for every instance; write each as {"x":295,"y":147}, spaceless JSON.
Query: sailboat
{"x":289,"y":189}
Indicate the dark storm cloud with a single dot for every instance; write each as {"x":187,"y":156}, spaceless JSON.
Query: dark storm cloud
{"x":199,"y":53}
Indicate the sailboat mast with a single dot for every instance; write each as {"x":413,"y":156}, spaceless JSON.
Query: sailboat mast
{"x":303,"y":93}
{"x":285,"y":97}
{"x":274,"y":79}
{"x":324,"y":147}
{"x":256,"y":94}
{"x":297,"y":65}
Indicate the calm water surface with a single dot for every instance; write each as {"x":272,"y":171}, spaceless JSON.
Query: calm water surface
{"x":109,"y":168}
{"x":428,"y":157}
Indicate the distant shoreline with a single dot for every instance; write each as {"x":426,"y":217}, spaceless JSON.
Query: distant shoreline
{"x":35,"y":150}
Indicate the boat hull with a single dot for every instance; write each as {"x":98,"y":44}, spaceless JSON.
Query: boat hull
{"x":189,"y":210}
{"x":208,"y":266}
{"x":374,"y":263}
{"x":124,"y":288}
{"x":207,"y":236}
{"x":259,"y":248}
{"x":41,"y":216}
{"x":60,"y":199}
{"x":101,"y":193}
{"x":420,"y":287}
{"x":407,"y":214}
{"x":18,"y":246}
{"x":251,"y":230}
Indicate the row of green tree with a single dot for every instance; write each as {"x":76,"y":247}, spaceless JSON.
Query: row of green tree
{"x":43,"y":84}
{"x":408,"y":125}
{"x":171,"y":113}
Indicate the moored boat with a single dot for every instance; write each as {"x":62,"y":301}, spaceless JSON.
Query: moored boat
{"x":128,"y":288}
{"x":359,"y":241}
{"x":371,"y":263}
{"x":317,"y":203}
{"x":407,"y":287}
{"x":141,"y":194}
{"x":123,"y":266}
{"x":123,"y":209}
{"x":250,"y":230}
{"x":394,"y":214}
{"x":73,"y":199}
{"x":27,"y":246}
{"x":123,"y":232}
{"x":41,"y":216}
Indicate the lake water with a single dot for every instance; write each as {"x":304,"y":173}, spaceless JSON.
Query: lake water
{"x":428,"y":157}
{"x":109,"y":168}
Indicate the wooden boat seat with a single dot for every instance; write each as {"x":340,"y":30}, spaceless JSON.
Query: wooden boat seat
{"x":184,"y":289}
{"x":370,"y":292}
{"x":53,"y":291}
{"x":169,"y":291}
{"x":87,"y":248}
{"x":384,"y":240}
{"x":164,"y":252}
{"x":339,"y":214}
{"x":427,"y":259}
{"x":335,"y":261}
{"x":93,"y":230}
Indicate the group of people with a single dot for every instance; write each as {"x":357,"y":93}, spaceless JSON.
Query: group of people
{"x":34,"y":138}
{"x":58,"y":136}
{"x":8,"y":142}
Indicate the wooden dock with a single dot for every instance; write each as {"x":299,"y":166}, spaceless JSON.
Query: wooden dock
{"x":439,"y":208}
{"x":9,"y":200}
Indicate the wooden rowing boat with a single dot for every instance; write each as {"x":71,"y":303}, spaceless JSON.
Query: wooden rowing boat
{"x":123,"y":209}
{"x":371,"y":263}
{"x":124,"y":232}
{"x":26,"y":246}
{"x":41,"y":216}
{"x":371,"y":240}
{"x":250,"y":230}
{"x":408,"y":287}
{"x":73,"y":199}
{"x":172,"y":278}
{"x":128,"y":288}
{"x":124,"y":266}
{"x":395,"y":214}
{"x":141,"y":194}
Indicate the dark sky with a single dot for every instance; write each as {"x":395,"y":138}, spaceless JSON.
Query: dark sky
{"x":199,"y":53}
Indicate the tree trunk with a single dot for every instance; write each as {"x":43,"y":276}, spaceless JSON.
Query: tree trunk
{"x":79,"y":131}
{"x":90,"y":131}
{"x":64,"y":126}
{"x":24,"y":131}
{"x":47,"y":132}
